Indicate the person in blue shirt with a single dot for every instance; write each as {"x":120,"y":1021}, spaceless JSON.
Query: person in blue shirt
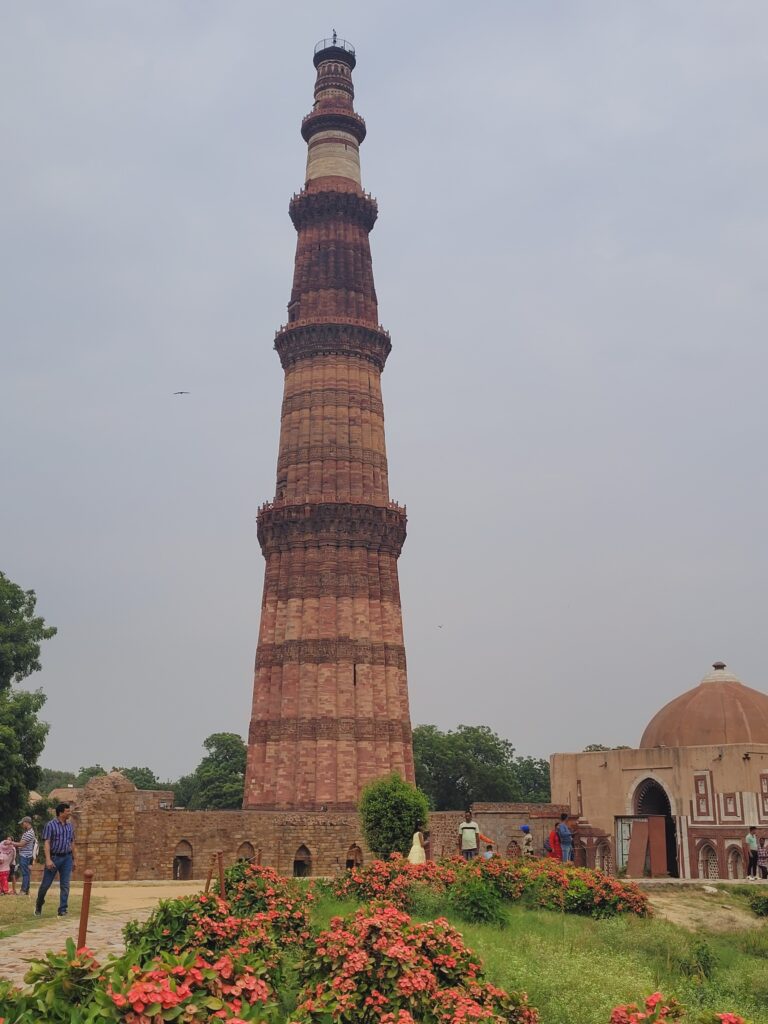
{"x":566,"y":838}
{"x":59,"y":841}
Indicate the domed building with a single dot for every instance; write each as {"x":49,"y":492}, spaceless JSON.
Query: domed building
{"x":680,"y":803}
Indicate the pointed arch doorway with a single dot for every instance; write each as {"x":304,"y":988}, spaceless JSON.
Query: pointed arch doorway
{"x":651,"y":799}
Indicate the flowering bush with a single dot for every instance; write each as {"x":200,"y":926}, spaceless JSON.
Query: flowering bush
{"x":189,"y":988}
{"x":393,"y":880}
{"x":285,"y":903}
{"x":381,"y":967}
{"x":261,"y":905}
{"x":658,"y":1009}
{"x":544,"y":883}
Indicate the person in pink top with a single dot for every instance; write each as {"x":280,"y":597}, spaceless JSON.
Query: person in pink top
{"x":7,"y":857}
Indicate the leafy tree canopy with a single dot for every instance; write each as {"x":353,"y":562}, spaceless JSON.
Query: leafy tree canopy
{"x":592,"y":747}
{"x":219,"y":779}
{"x":142,"y":778}
{"x":472,"y":763}
{"x":86,"y":774}
{"x":391,"y":810}
{"x":51,"y":778}
{"x":21,"y":632}
{"x":22,"y":734}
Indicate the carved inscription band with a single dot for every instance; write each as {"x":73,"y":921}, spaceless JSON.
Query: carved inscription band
{"x":326,"y":652}
{"x":308,"y":207}
{"x":322,"y":583}
{"x":321,"y":452}
{"x":307,"y":340}
{"x":344,"y":397}
{"x":393,"y":730}
{"x":280,"y":528}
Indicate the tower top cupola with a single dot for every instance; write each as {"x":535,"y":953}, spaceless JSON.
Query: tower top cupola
{"x":335,"y":49}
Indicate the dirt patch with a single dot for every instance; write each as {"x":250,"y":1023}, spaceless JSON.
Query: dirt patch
{"x":135,"y":896}
{"x":698,"y":910}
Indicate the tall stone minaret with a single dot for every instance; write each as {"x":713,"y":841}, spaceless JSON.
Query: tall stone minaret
{"x":330,"y":699}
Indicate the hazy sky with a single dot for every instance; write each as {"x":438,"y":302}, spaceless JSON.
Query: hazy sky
{"x":571,"y":256}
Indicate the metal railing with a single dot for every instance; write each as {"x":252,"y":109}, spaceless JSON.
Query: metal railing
{"x":340,"y":44}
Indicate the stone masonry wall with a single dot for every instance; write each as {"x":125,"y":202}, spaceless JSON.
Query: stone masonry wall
{"x":123,"y":833}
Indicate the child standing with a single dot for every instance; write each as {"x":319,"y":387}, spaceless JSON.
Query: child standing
{"x":7,"y":857}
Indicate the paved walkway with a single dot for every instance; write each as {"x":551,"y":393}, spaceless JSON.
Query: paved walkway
{"x":104,"y":938}
{"x":117,"y":903}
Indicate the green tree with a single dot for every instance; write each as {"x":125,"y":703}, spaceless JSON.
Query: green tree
{"x":220,"y":776}
{"x":51,"y":778}
{"x":85,"y":775}
{"x":465,"y":765}
{"x":22,"y":734}
{"x":593,"y":747}
{"x":391,"y":810}
{"x":142,"y":778}
{"x":21,"y":632}
{"x":533,"y":779}
{"x":184,"y":790}
{"x":22,"y":738}
{"x":472,"y":763}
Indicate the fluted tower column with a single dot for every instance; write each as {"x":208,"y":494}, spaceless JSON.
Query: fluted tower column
{"x":330,"y":699}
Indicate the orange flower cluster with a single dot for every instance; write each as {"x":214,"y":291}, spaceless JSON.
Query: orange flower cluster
{"x":544,"y":883}
{"x":383,"y":968}
{"x":659,"y":1010}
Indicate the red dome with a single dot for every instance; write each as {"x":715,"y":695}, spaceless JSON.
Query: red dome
{"x":720,"y":710}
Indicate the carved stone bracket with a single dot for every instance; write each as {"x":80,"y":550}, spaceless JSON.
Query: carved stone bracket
{"x":307,"y":207}
{"x":328,"y":652}
{"x":281,"y":528}
{"x":303,"y":341}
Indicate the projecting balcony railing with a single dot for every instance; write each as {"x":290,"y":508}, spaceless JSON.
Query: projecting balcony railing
{"x":325,"y":321}
{"x":340,"y":44}
{"x":267,"y":506}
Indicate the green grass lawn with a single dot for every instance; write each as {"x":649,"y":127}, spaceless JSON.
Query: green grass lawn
{"x":17,"y":912}
{"x":575,"y":970}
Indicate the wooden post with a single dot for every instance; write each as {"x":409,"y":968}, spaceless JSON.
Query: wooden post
{"x":210,"y":872}
{"x":222,"y":888}
{"x":258,"y":856}
{"x":85,"y":907}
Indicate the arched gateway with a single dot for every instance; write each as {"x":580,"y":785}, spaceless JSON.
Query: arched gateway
{"x":651,"y":799}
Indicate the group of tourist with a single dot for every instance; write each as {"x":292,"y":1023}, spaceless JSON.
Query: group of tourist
{"x":17,"y":857}
{"x":559,"y":843}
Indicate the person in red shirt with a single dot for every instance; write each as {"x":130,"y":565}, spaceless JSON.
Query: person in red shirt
{"x":555,"y":850}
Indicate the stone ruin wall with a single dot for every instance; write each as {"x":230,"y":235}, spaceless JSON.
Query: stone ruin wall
{"x":125,"y":834}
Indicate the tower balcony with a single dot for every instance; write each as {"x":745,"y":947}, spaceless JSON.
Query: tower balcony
{"x":335,"y":49}
{"x":326,"y":119}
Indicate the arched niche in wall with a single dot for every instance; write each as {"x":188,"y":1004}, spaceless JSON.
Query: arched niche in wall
{"x":182,"y":861}
{"x":302,"y":862}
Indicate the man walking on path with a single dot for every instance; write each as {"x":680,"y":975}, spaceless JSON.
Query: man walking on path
{"x":26,"y":848}
{"x":59,"y":840}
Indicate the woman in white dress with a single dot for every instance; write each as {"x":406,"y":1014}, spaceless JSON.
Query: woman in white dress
{"x":417,"y":853}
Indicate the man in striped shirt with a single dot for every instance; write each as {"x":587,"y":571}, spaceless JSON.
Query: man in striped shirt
{"x":59,"y":840}
{"x":26,"y":848}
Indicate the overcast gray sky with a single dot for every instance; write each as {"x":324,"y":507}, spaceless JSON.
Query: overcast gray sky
{"x":571,"y":259}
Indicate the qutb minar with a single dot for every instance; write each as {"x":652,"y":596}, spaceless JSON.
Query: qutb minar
{"x":330,"y":699}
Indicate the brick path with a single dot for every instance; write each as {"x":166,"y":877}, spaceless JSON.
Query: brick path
{"x":104,"y":937}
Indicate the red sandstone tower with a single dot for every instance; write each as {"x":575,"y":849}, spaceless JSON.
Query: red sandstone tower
{"x":330,"y":701}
